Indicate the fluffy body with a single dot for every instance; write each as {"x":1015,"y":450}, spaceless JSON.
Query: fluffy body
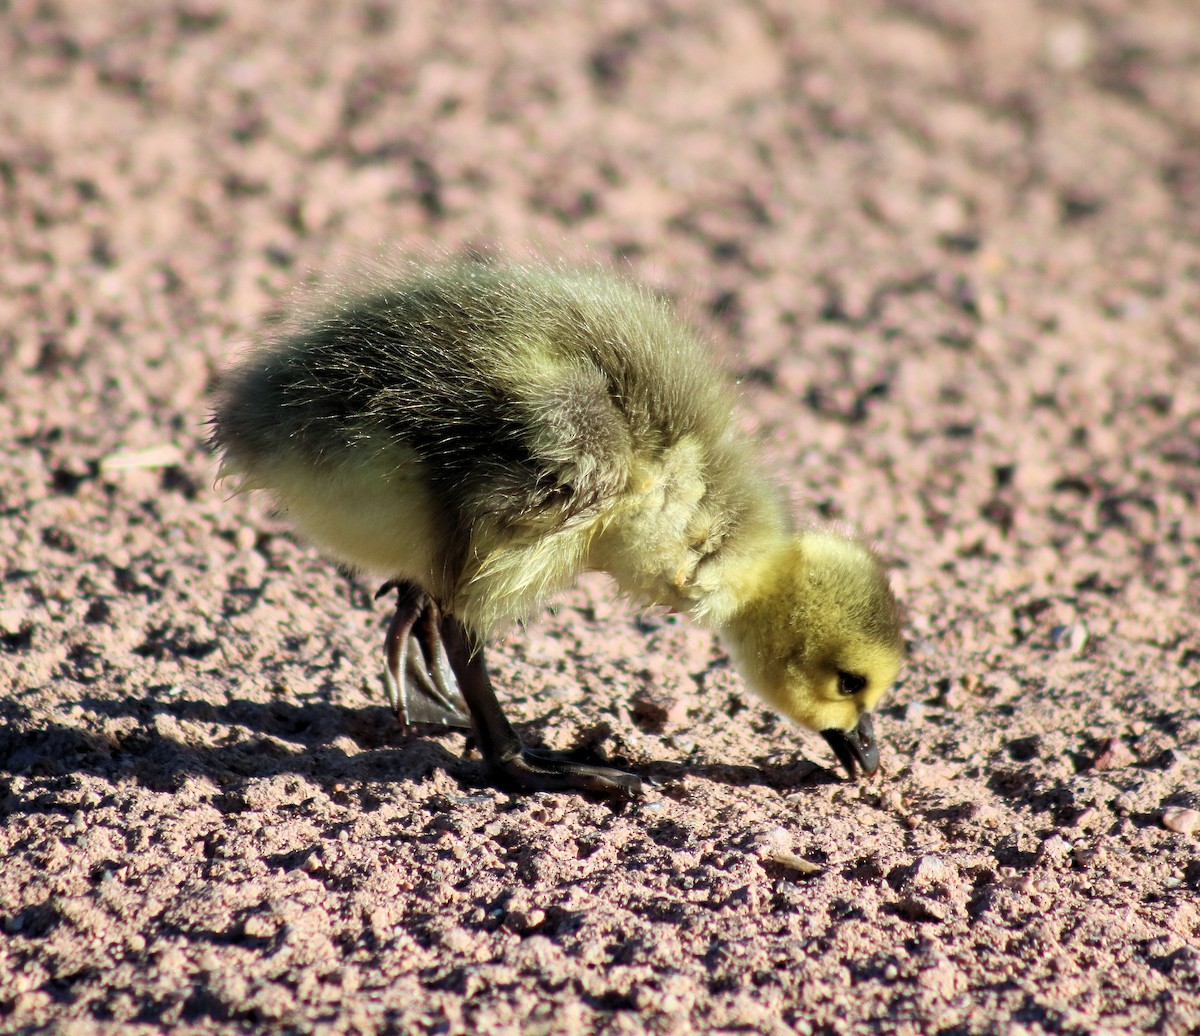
{"x":488,"y":431}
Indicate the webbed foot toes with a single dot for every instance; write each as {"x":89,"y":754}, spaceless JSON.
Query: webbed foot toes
{"x":539,"y":769}
{"x":420,"y":682}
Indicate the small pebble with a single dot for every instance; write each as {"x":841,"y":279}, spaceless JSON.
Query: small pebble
{"x":658,"y":707}
{"x":524,"y":920}
{"x":1069,"y":46}
{"x":776,"y":838}
{"x":929,"y":870}
{"x":1004,"y":685}
{"x":11,"y":619}
{"x":1114,"y":754}
{"x":950,"y":698}
{"x":1055,"y":849}
{"x":1181,"y":821}
{"x":683,"y":745}
{"x":921,"y":909}
{"x":258,"y":927}
{"x":1072,"y":637}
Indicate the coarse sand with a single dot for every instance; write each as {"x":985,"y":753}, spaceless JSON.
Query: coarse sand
{"x":952,"y":253}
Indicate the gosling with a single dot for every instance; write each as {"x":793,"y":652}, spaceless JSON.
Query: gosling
{"x":479,"y":433}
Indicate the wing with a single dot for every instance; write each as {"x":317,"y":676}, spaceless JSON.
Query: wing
{"x":568,"y":451}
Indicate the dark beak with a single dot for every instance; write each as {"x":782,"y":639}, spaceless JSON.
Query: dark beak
{"x":855,"y":747}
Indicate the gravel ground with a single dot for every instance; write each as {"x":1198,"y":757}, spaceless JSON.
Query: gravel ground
{"x":951,"y":251}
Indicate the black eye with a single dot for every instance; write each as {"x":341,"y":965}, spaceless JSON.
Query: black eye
{"x":850,"y":683}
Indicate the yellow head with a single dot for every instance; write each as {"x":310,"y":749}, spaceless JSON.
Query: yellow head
{"x":819,"y":639}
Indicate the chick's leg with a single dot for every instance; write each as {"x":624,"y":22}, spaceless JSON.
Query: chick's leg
{"x":419,"y":679}
{"x":532,"y":768}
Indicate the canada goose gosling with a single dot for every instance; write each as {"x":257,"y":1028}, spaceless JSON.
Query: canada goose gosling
{"x":478,"y":434}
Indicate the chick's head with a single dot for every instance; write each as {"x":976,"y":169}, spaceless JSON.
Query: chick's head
{"x":819,"y":638}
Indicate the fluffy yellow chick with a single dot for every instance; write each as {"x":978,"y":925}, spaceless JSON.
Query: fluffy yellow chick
{"x":479,"y":433}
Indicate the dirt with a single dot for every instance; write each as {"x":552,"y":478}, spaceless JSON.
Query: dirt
{"x":951,"y":251}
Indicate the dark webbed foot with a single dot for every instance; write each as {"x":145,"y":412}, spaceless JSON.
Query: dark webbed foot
{"x":433,"y":674}
{"x":536,"y":769}
{"x":541,"y":769}
{"x":420,"y":682}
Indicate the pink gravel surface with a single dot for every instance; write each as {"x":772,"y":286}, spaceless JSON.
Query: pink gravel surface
{"x":953,"y":253}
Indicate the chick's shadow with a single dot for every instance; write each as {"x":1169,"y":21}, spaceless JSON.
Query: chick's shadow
{"x":233,"y":744}
{"x":240,"y":741}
